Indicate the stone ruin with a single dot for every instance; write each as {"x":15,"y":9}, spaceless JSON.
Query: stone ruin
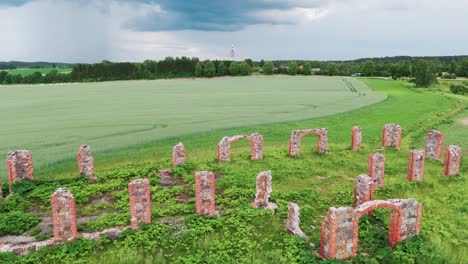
{"x":452,"y":160}
{"x":376,"y":169}
{"x":64,"y":215}
{"x":434,"y":144}
{"x":178,"y":155}
{"x":205,"y":193}
{"x":292,"y":223}
{"x":356,"y":138}
{"x":391,"y":136}
{"x":416,"y":165}
{"x":1,"y":192}
{"x":140,"y":202}
{"x":86,"y":162}
{"x":19,"y":166}
{"x":263,"y":191}
{"x":363,"y":190}
{"x":296,"y":136}
{"x":256,"y":147}
{"x":339,"y":234}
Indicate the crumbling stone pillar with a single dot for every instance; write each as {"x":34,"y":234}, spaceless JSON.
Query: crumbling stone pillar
{"x":205,"y":193}
{"x":363,"y":190}
{"x":356,"y":138}
{"x":140,"y":202}
{"x":19,"y":165}
{"x":178,"y":155}
{"x":296,"y":136}
{"x":86,"y":162}
{"x":337,"y":234}
{"x":292,"y":223}
{"x":391,"y":136}
{"x":411,"y":213}
{"x":256,"y":147}
{"x":64,"y":215}
{"x":376,"y":169}
{"x":263,"y":191}
{"x":434,"y":144}
{"x":452,"y":160}
{"x":416,"y":165}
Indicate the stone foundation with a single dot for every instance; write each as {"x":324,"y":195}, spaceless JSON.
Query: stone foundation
{"x":296,"y":136}
{"x":356,"y":138}
{"x":339,"y":234}
{"x":205,"y":193}
{"x":376,"y":169}
{"x":256,"y":147}
{"x":64,"y":215}
{"x":391,"y":136}
{"x":140,"y":202}
{"x":452,"y":160}
{"x":19,"y":166}
{"x":363,"y":190}
{"x":86,"y":162}
{"x":434,"y":144}
{"x":262,"y":198}
{"x":416,"y":165}
{"x":292,"y":223}
{"x":178,"y":155}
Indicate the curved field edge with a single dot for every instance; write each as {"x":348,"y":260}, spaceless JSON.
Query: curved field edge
{"x":314,"y":181}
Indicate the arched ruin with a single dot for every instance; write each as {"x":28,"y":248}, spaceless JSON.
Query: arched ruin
{"x":296,"y":136}
{"x":256,"y":147}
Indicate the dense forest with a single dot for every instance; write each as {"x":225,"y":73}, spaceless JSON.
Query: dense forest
{"x":448,"y":67}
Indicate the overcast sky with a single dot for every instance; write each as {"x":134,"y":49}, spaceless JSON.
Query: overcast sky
{"x":126,"y":30}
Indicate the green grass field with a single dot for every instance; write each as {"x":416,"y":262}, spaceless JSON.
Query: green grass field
{"x":29,"y":71}
{"x":245,"y":235}
{"x":52,"y":121}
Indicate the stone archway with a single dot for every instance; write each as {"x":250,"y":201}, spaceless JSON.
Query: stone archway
{"x":297,"y":135}
{"x":256,"y":146}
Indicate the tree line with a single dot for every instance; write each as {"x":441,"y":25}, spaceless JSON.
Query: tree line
{"x":422,"y":70}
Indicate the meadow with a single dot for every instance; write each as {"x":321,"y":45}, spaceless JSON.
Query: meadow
{"x":246,"y":235}
{"x":29,"y":71}
{"x":54,"y":120}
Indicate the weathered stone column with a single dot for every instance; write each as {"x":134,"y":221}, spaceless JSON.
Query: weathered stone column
{"x":178,"y":155}
{"x":256,"y":146}
{"x":86,"y":162}
{"x":376,"y":169}
{"x":205,"y":193}
{"x":292,"y":223}
{"x":64,"y":215}
{"x":391,"y":136}
{"x":140,"y":202}
{"x":262,"y":198}
{"x":19,"y":166}
{"x":356,"y":138}
{"x":363,"y":190}
{"x":434,"y":144}
{"x":452,"y":160}
{"x":337,"y":234}
{"x":416,"y":165}
{"x":224,"y":150}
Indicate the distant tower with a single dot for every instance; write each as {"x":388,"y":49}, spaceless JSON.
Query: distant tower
{"x":231,"y":53}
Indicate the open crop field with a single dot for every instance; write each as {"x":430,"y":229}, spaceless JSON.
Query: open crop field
{"x":29,"y":71}
{"x":136,"y":141}
{"x":54,"y":120}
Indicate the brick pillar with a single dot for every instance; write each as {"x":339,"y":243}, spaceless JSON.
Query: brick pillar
{"x":337,"y":234}
{"x":452,"y":160}
{"x":140,"y":202}
{"x":256,"y":146}
{"x":64,"y":215}
{"x":1,"y":191}
{"x":292,"y":223}
{"x":376,"y":169}
{"x":224,"y":150}
{"x":205,"y":193}
{"x":391,"y":136}
{"x":262,"y":198}
{"x":363,"y":190}
{"x":19,"y":166}
{"x":356,"y":138}
{"x":86,"y":162}
{"x":434,"y":144}
{"x":411,"y":214}
{"x":178,"y":155}
{"x":416,"y":165}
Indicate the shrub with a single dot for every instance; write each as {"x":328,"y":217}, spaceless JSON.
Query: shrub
{"x":268,"y":68}
{"x":22,"y":187}
{"x":459,"y":89}
{"x":16,"y":222}
{"x":292,"y":68}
